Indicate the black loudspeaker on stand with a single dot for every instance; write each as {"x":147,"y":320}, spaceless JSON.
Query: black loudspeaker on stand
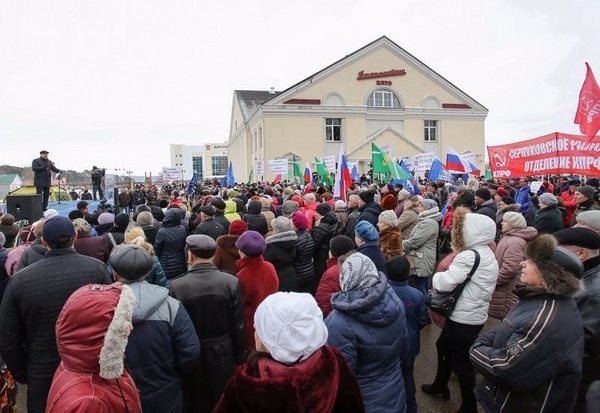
{"x":25,"y":206}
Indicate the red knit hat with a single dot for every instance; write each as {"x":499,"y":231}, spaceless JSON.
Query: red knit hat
{"x":300,"y":221}
{"x":502,"y":192}
{"x":388,"y":202}
{"x":237,"y":227}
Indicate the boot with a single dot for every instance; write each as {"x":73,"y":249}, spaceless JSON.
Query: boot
{"x":467,"y":385}
{"x":439,"y":387}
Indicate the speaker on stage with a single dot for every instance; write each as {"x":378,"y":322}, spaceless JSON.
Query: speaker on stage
{"x":25,"y":206}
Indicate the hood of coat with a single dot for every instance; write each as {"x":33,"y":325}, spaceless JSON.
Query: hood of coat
{"x":172,"y":217}
{"x":527,"y":233}
{"x":149,"y":298}
{"x":510,"y":208}
{"x":330,"y":218}
{"x":478,"y":229}
{"x":230,"y":207}
{"x":92,"y":316}
{"x":490,"y":203}
{"x":433,"y":213}
{"x":254,"y":207}
{"x":282,"y":236}
{"x":378,"y":305}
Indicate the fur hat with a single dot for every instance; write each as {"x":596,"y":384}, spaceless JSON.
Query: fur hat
{"x":558,"y":267}
{"x":340,"y":245}
{"x":548,"y":199}
{"x":238,"y":227}
{"x":290,"y":326}
{"x":366,"y":231}
{"x":515,"y":219}
{"x":82,"y":226}
{"x":388,"y":218}
{"x":300,"y":221}
{"x":281,"y":224}
{"x":367,"y":196}
{"x":145,"y":218}
{"x":340,"y":205}
{"x":388,"y":202}
{"x":106,"y":218}
{"x":483,"y":193}
{"x":251,"y":243}
{"x":323,"y":208}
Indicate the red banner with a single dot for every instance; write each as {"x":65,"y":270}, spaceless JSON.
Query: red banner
{"x":588,"y":109}
{"x":557,"y":153}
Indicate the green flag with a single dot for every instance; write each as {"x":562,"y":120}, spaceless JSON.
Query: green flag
{"x":297,"y":171}
{"x":397,"y":171}
{"x":379,"y":160}
{"x":488,"y":173}
{"x":323,"y":173}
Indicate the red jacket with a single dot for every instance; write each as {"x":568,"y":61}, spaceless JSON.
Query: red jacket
{"x":80,"y":330}
{"x":569,"y":201}
{"x":310,"y":211}
{"x":258,"y":279}
{"x":329,"y":285}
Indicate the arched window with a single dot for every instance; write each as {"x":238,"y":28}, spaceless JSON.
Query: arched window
{"x":333,"y":99}
{"x":383,"y":98}
{"x":430,"y":102}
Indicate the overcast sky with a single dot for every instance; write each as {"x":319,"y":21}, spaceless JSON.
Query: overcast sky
{"x":113,"y":83}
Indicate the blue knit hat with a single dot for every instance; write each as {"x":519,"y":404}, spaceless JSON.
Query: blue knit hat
{"x":366,"y":231}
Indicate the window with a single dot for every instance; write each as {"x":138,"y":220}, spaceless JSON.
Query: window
{"x":219,"y":165}
{"x":383,"y":98}
{"x":333,"y":129}
{"x":197,"y":167}
{"x":430,"y":130}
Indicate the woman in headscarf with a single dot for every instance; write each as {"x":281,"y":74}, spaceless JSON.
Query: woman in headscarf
{"x":368,"y":325}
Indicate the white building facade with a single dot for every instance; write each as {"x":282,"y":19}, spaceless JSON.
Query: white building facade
{"x":206,"y":161}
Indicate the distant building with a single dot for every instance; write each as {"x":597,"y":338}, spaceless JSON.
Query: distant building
{"x":379,"y":93}
{"x":206,"y":161}
{"x":9,"y":183}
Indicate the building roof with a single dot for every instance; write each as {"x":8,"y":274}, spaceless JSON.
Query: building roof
{"x":382,"y":39}
{"x":8,"y":179}
{"x":252,"y":99}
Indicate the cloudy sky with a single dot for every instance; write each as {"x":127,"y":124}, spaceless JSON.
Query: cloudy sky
{"x":113,"y":83}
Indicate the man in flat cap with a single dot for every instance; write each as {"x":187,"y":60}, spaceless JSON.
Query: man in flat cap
{"x":214,"y":301}
{"x":585,"y":243}
{"x":42,"y":170}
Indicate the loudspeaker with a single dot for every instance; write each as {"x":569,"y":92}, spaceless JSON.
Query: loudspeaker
{"x":25,"y":206}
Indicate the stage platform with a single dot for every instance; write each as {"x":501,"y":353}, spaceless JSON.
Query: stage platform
{"x":64,"y":207}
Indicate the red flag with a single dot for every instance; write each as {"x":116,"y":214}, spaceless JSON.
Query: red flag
{"x":588,"y":110}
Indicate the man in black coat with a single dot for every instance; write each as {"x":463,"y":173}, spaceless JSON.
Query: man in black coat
{"x":31,"y":304}
{"x":548,"y":219}
{"x":208,"y":225}
{"x":97,"y":175}
{"x":484,"y":204}
{"x":214,"y":302}
{"x":368,"y":208}
{"x":585,"y":243}
{"x":42,"y":170}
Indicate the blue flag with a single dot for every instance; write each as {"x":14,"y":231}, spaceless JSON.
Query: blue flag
{"x":438,"y":172}
{"x":192,"y":184}
{"x":354,"y":173}
{"x":228,"y":179}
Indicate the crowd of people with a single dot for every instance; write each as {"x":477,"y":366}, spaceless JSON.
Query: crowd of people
{"x":277,"y":297}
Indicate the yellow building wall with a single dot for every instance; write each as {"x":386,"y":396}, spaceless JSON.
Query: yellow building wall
{"x":462,"y":136}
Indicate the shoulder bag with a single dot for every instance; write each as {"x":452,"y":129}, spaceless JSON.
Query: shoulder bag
{"x":443,"y":303}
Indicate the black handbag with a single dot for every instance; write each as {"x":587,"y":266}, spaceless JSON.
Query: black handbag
{"x":443,"y":303}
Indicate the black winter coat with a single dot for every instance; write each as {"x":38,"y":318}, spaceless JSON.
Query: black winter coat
{"x":548,"y":220}
{"x":322,"y":234}
{"x":256,"y":222}
{"x":211,"y":228}
{"x":214,"y":302}
{"x":487,"y":208}
{"x":170,"y":244}
{"x":220,"y":218}
{"x":351,"y":221}
{"x":42,"y":170}
{"x":369,"y":212}
{"x":281,"y":252}
{"x":305,"y":250}
{"x":532,"y":361}
{"x":31,"y":255}
{"x":33,"y":299}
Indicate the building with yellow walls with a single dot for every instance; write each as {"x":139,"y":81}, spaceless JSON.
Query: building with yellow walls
{"x":379,"y":93}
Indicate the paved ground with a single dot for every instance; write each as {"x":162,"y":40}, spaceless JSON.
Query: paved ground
{"x":425,"y":368}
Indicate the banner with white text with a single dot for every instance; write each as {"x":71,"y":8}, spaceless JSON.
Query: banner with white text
{"x":556,"y":153}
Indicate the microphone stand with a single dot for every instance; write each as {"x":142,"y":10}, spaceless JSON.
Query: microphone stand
{"x":59,"y":182}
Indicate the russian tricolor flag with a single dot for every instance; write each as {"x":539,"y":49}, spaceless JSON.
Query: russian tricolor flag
{"x":308,"y":176}
{"x":343,"y":178}
{"x":455,"y":163}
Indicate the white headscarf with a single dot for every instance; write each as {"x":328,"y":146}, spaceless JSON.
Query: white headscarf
{"x":358,"y":273}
